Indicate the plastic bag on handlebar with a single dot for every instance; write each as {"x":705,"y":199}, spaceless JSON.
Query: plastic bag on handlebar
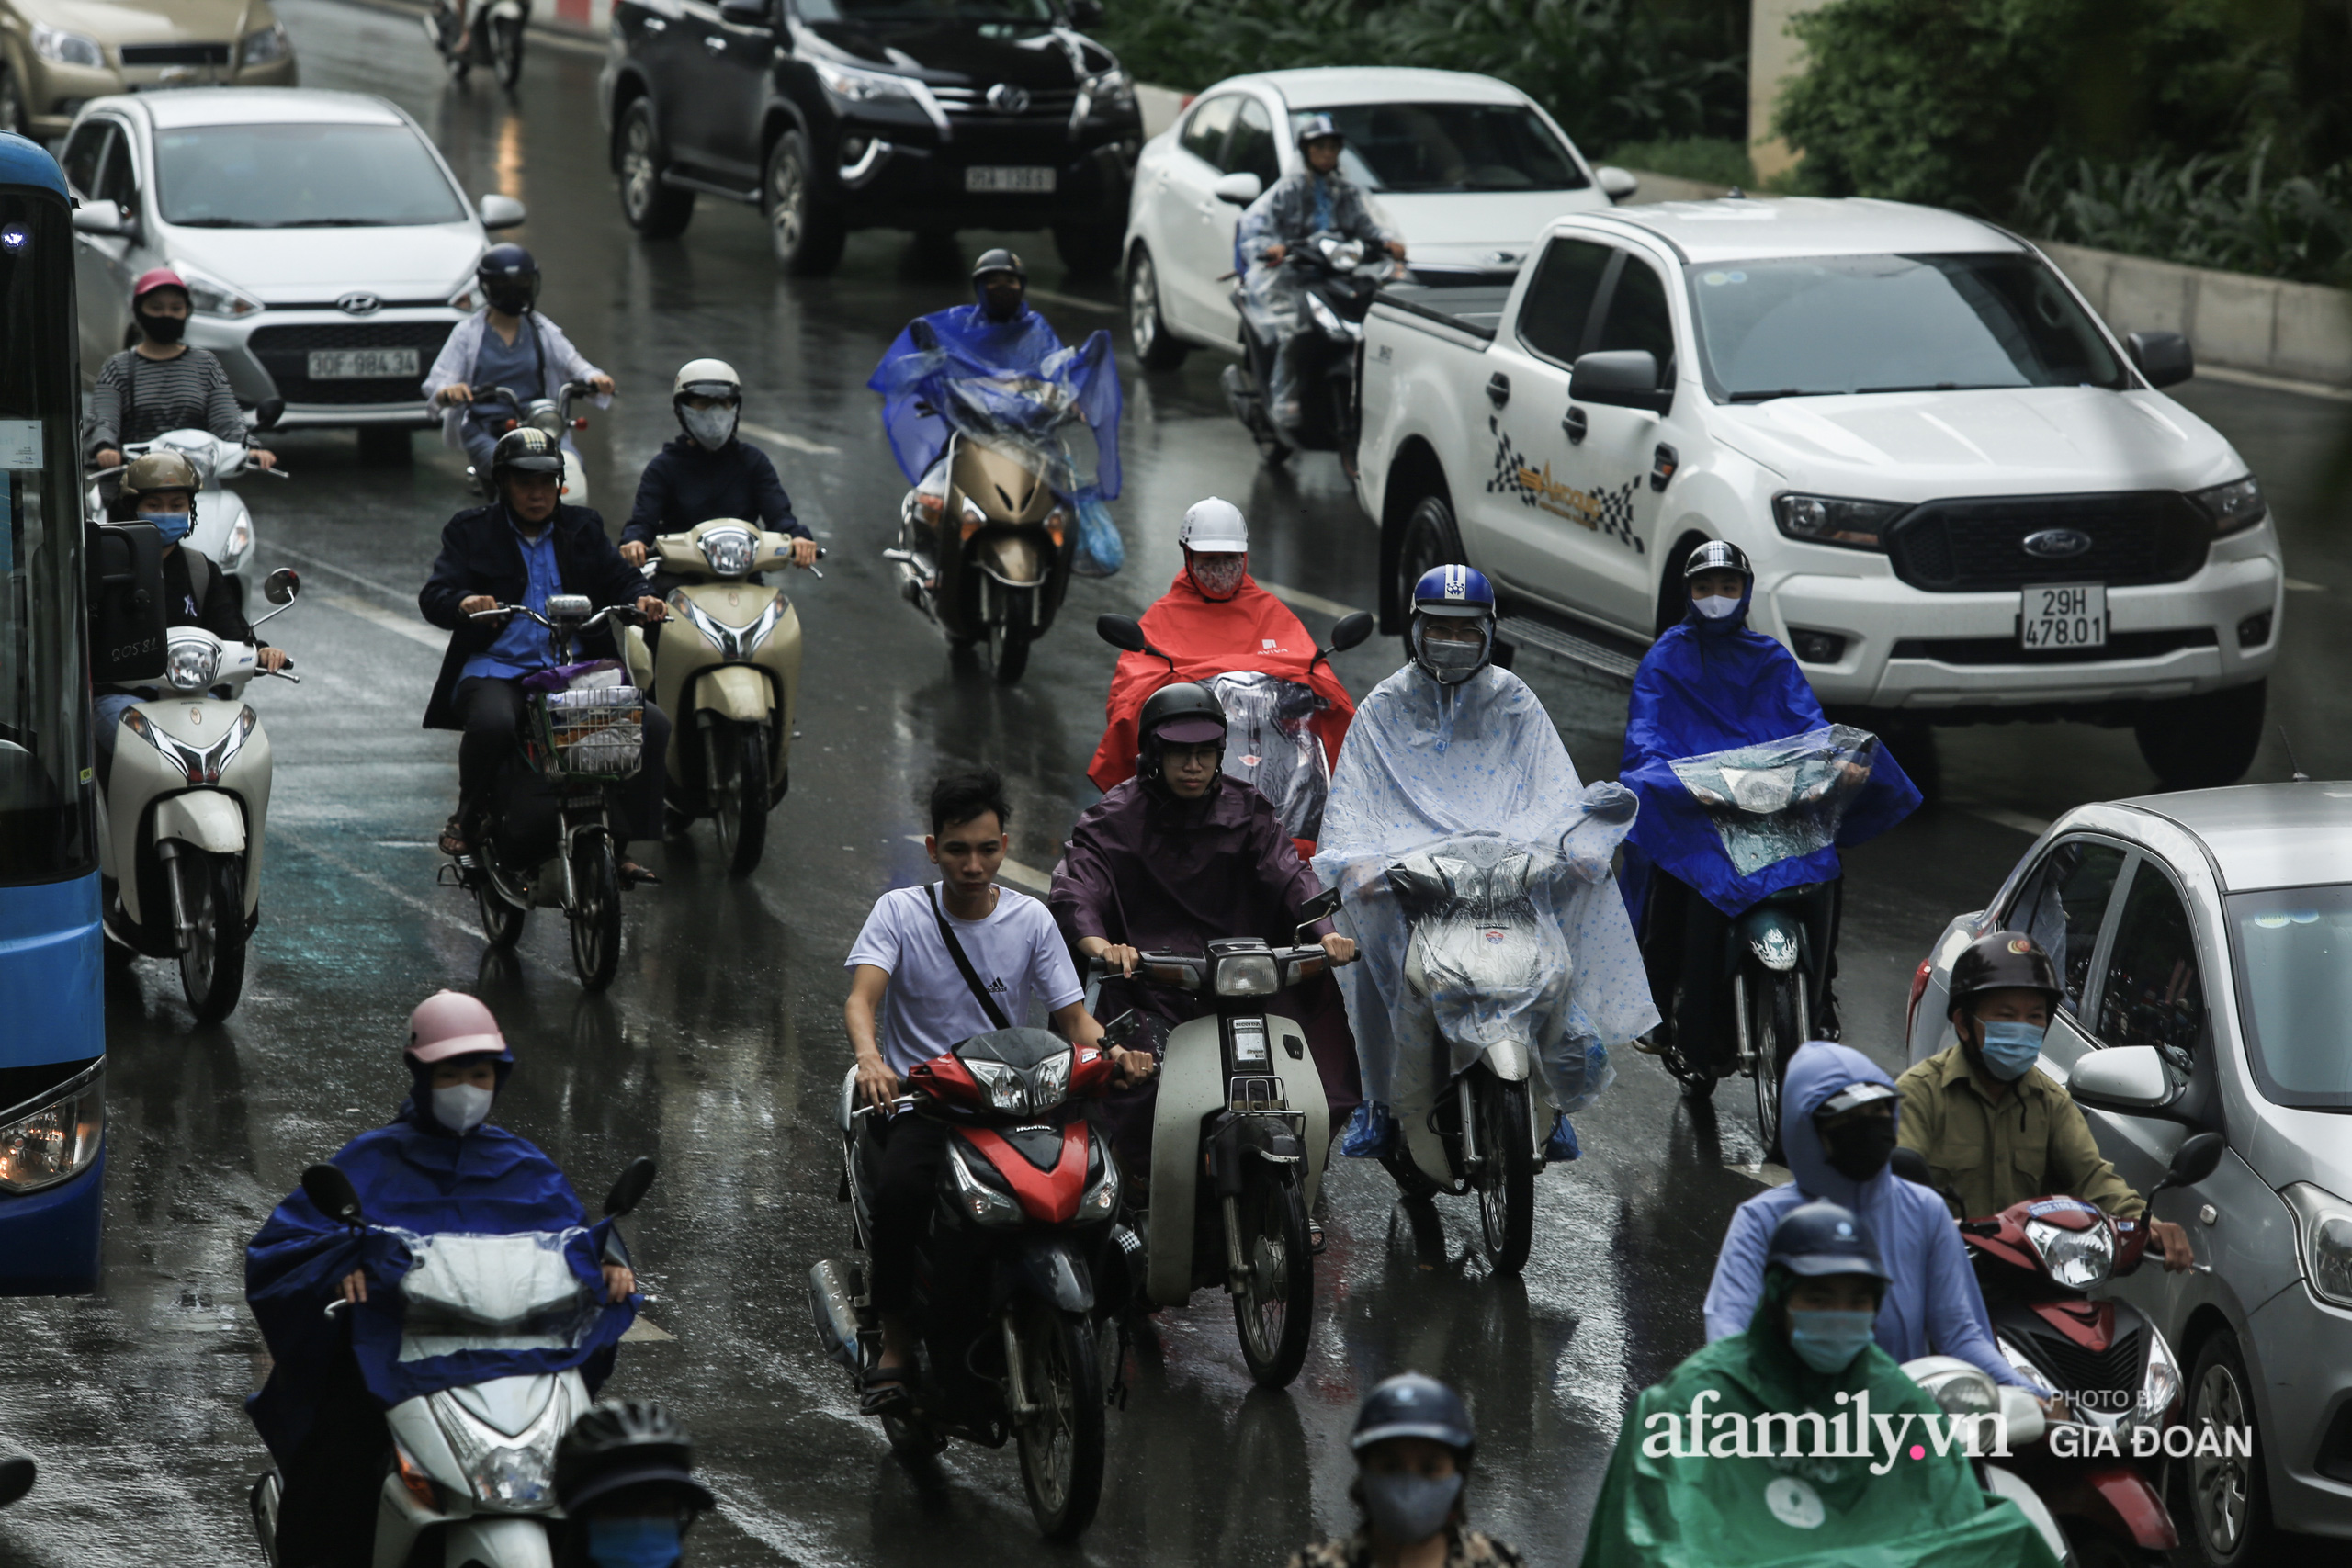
{"x":1782,"y":799}
{"x":1101,"y":551}
{"x":590,"y":675}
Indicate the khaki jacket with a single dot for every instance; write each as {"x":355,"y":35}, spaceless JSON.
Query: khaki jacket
{"x":2034,"y":1141}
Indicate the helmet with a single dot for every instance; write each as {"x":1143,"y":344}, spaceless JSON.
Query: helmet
{"x":1717,"y":555}
{"x":2000,"y":962}
{"x":998,"y":260}
{"x":451,"y":1023}
{"x":160,"y":470}
{"x":1822,"y":1238}
{"x":1317,"y":127}
{"x":509,"y":278}
{"x":1452,"y":592}
{"x":1857,"y":1129}
{"x":154,"y":278}
{"x":1413,"y":1406}
{"x":527,"y":448}
{"x":1213,"y":524}
{"x":626,"y":1442}
{"x":1185,"y":712}
{"x":706,"y":378}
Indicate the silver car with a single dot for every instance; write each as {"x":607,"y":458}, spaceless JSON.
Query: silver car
{"x":2205,"y":942}
{"x":328,"y":249}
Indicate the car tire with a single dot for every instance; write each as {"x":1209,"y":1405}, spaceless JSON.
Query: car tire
{"x":2225,"y":1517}
{"x":2205,"y":741}
{"x":1430,"y":540}
{"x":1156,"y":348}
{"x":655,"y":211}
{"x":1089,"y":249}
{"x":806,"y":233}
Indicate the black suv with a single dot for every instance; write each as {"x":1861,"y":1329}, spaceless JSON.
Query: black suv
{"x":834,"y":114}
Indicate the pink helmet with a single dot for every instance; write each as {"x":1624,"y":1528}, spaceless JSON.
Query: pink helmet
{"x":451,"y":1023}
{"x":152,"y":279}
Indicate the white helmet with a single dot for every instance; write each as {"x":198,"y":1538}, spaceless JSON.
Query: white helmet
{"x":707,"y":378}
{"x":1216,"y":526}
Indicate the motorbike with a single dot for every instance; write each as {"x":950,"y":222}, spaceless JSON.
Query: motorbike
{"x":1962,"y":1390}
{"x":1333,"y":280}
{"x":552,"y":416}
{"x":1007,"y":1310}
{"x":549,"y":841}
{"x":182,"y":816}
{"x":1239,"y":1132}
{"x":223,"y":529}
{"x":470,"y":1478}
{"x":467,"y":33}
{"x":727,"y":670}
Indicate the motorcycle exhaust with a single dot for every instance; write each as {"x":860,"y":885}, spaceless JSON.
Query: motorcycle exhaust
{"x":833,"y":1288}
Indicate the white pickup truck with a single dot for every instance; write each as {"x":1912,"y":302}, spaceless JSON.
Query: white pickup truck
{"x":1966,"y":499}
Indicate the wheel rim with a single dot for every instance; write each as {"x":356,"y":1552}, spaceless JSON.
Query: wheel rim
{"x":787,"y":213}
{"x":726,"y":790}
{"x":1143,"y":305}
{"x":1766,"y":1048}
{"x":637,"y":165}
{"x":203,"y":957}
{"x":1493,"y":1191}
{"x":1048,"y":1436}
{"x":1268,"y":1290}
{"x":2218,"y":1482}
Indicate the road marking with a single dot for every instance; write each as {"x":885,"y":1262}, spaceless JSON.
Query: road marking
{"x":1074,"y":303}
{"x":796,"y":442}
{"x":391,"y":621}
{"x":643,"y":1329}
{"x":1770,"y":1175}
{"x":2031,"y":827}
{"x":406,"y":595}
{"x":1305,"y":600}
{"x":2297,"y":585}
{"x":1011,"y":871}
{"x":2276,"y":383}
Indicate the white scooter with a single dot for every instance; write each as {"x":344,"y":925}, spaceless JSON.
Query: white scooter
{"x":224,"y":530}
{"x":467,"y":33}
{"x":1963,"y":1389}
{"x":474,"y":1463}
{"x":552,"y":417}
{"x":181,"y":818}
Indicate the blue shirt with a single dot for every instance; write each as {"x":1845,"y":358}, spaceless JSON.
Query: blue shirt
{"x":522,"y":645}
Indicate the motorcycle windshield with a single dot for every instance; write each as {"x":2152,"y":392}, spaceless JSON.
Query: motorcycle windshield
{"x":960,"y":384}
{"x":1271,"y":744}
{"x":502,"y":1293}
{"x":1782,"y":799}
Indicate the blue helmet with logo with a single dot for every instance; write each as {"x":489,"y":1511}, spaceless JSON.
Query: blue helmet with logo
{"x":1453,"y":593}
{"x":1821,"y":1238}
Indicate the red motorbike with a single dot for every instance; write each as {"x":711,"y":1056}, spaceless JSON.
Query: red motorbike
{"x":1009,"y":1321}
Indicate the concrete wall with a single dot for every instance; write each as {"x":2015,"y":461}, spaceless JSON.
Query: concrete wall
{"x":1772,"y":58}
{"x":2301,"y":332}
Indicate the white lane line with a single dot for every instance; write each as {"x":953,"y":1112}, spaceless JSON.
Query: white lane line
{"x":2275,"y":383}
{"x":1301,"y":599}
{"x":1770,"y":1175}
{"x":386,"y":588}
{"x":2031,"y":827}
{"x":2297,"y":585}
{"x":1074,"y":303}
{"x":1011,"y":871}
{"x":782,"y":438}
{"x":391,"y":621}
{"x":643,"y":1328}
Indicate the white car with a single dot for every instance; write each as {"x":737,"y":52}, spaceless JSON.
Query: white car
{"x":327,"y":248}
{"x":1966,"y":499}
{"x":1467,"y":168}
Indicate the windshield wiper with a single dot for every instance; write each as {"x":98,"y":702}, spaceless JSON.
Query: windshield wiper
{"x":1937,"y":387}
{"x":339,"y":223}
{"x":213,"y":223}
{"x":1760,"y":396}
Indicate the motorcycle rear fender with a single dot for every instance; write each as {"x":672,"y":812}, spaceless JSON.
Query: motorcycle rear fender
{"x":202,"y":818}
{"x":1048,"y":1268}
{"x":1235,"y":1138}
{"x":1774,"y":934}
{"x":1509,"y":1060}
{"x":737,"y":691}
{"x":2003,"y":1481}
{"x":499,"y":1543}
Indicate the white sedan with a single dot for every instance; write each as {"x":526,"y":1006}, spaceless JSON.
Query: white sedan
{"x":1467,"y":168}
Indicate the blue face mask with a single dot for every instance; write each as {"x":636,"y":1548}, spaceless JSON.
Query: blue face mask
{"x":633,"y":1543}
{"x":2010,"y":1047}
{"x":173,"y":525}
{"x":1828,"y":1341}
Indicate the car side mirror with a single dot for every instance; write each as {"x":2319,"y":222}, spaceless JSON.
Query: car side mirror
{"x":16,"y":1474}
{"x":1086,"y":13}
{"x":268,"y":413}
{"x":100,"y":218}
{"x":2198,"y":1157}
{"x":631,"y":1190}
{"x":1240,"y":189}
{"x":1623,"y":377}
{"x":2164,"y":359}
{"x":2131,"y":1079}
{"x":746,"y":13}
{"x":1122,"y":632}
{"x":331,"y":1193}
{"x":1352,"y":630}
{"x":280,"y":586}
{"x":501,"y":212}
{"x":1616,"y":184}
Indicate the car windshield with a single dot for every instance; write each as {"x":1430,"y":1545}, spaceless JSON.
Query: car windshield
{"x":1413,"y":148}
{"x":1036,"y":11}
{"x":2294,"y":964}
{"x":300,"y":176}
{"x":1820,"y":326}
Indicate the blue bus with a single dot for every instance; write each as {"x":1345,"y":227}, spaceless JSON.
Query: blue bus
{"x":52,"y":1021}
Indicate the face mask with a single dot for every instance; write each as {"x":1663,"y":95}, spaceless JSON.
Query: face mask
{"x":1219,"y":580}
{"x":1453,"y":663}
{"x":2010,"y":1047}
{"x":1828,"y":1341}
{"x":509,"y":299}
{"x":172,"y":525}
{"x":633,"y":1543}
{"x":163,"y":328}
{"x":1714,"y":608}
{"x":1002,"y":304}
{"x":1859,"y":1150}
{"x":461,"y":1107}
{"x":1409,"y":1509}
{"x":713,"y":428}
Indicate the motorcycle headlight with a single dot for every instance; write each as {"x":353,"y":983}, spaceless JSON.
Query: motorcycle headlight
{"x":852,"y":85}
{"x":513,"y":1478}
{"x":1247,"y":974}
{"x":1048,"y":1084}
{"x":2323,"y":1226}
{"x":730,"y":551}
{"x":1836,"y":520}
{"x":2234,"y":506}
{"x":264,"y":45}
{"x":191,"y":664}
{"x":58,"y":1139}
{"x":1963,"y":1391}
{"x":2076,"y":1259}
{"x":208,"y":296}
{"x":2160,"y":1385}
{"x":67,"y":49}
{"x":982,"y":1202}
{"x":1003,"y":1084}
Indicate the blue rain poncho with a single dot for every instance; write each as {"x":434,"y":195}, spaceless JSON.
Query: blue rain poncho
{"x":1709,"y":687}
{"x":1470,"y":774}
{"x":428,"y":1196}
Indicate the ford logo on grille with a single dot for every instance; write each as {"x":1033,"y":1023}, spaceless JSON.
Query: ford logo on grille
{"x":1006,"y":99}
{"x":2057,"y":543}
{"x":358,"y":304}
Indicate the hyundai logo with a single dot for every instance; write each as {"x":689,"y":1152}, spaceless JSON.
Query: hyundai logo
{"x":2057,"y":543}
{"x":1006,"y":99}
{"x":359,"y":304}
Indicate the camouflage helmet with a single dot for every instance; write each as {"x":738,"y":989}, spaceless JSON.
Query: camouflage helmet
{"x":160,"y":470}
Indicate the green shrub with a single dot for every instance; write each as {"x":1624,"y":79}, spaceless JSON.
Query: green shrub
{"x":2215,"y":211}
{"x":1711,"y":159}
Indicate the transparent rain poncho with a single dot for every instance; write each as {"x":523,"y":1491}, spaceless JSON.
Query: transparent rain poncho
{"x":1782,"y":799}
{"x":1270,"y":743}
{"x":519,"y":1291}
{"x":1500,"y":919}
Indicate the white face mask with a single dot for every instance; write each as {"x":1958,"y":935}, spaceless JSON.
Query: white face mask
{"x":1715,"y":609}
{"x":461,"y":1107}
{"x":713,"y":428}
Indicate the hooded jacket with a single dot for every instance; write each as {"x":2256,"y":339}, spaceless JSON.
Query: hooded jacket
{"x":684,"y":485}
{"x":1932,"y":1304}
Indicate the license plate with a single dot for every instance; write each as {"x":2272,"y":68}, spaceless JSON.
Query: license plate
{"x":1006,"y":178}
{"x":362,"y":364}
{"x":2066,"y":615}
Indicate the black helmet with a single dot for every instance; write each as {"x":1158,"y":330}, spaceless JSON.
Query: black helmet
{"x":2001,"y":962}
{"x":622,"y":1443}
{"x":998,"y":260}
{"x":509,"y":278}
{"x":1823,"y":1238}
{"x":996,"y":263}
{"x":527,"y":449}
{"x":1857,"y":1129}
{"x":1413,"y":1406}
{"x":1317,"y":128}
{"x":1717,"y":555}
{"x":1184,"y":714}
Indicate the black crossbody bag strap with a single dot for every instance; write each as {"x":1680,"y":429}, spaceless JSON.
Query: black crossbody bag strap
{"x":963,"y":964}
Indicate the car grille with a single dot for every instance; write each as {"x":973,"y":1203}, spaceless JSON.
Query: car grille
{"x":175,"y":54}
{"x":284,"y":351}
{"x":971,"y":104}
{"x":2077,"y":1370}
{"x":2007,"y":651}
{"x":1950,"y":547}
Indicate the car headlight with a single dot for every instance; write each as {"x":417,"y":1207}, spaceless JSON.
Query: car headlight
{"x":2234,"y":506}
{"x":241,"y":539}
{"x":1003,"y":1084}
{"x":192,"y":663}
{"x":2160,"y":1385}
{"x":1048,"y":1084}
{"x":67,"y":49}
{"x":207,"y":295}
{"x":2076,"y":1259}
{"x":2323,"y":1226}
{"x":730,"y":551}
{"x":467,"y":298}
{"x":1247,"y":974}
{"x":1113,"y":87}
{"x":56,"y":1140}
{"x":855,"y":86}
{"x":1836,"y":520}
{"x":979,"y":1199}
{"x":263,"y":45}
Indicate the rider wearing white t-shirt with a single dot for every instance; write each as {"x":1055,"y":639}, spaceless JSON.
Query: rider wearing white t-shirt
{"x":900,"y":967}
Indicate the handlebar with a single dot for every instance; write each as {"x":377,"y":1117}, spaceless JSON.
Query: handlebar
{"x":626,"y":612}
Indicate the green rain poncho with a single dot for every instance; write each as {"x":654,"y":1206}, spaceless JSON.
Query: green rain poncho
{"x":1664,"y":1507}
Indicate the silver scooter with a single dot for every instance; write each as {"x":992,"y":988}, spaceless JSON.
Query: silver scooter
{"x":223,"y":528}
{"x":181,"y":818}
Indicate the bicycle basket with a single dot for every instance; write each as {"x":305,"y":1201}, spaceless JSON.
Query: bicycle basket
{"x":593,"y":734}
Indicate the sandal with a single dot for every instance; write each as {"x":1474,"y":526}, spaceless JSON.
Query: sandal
{"x":453,"y":837}
{"x":1314,"y":1238}
{"x":635,"y":875}
{"x":887,"y":1391}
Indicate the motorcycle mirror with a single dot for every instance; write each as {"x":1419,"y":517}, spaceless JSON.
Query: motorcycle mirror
{"x":331,"y":1191}
{"x":569,"y":607}
{"x":1353,"y":630}
{"x":1912,"y":1165}
{"x":629,"y":1191}
{"x":267,"y":412}
{"x":16,"y":1474}
{"x":280,"y":586}
{"x":1321,"y":907}
{"x":2195,"y":1160}
{"x":1122,"y":632}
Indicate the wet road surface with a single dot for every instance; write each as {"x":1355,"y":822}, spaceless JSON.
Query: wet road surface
{"x":719,"y":1050}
